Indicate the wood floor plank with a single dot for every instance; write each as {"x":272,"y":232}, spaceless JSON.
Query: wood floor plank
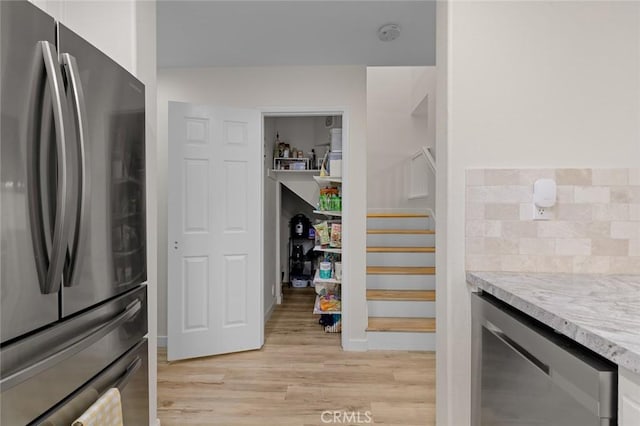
{"x":299,"y":373}
{"x":401,"y":270}
{"x":401,"y":413}
{"x":415,"y":377}
{"x":425,"y":325}
{"x":399,"y":392}
{"x":402,"y":295}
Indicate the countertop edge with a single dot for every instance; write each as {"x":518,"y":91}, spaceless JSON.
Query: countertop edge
{"x":587,"y":338}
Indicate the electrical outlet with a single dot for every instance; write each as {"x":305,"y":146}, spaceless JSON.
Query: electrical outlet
{"x":273,"y":290}
{"x":542,"y":213}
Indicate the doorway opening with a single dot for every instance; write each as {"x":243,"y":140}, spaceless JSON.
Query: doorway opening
{"x":303,"y":209}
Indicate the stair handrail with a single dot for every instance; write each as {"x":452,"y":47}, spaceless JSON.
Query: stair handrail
{"x":426,"y":151}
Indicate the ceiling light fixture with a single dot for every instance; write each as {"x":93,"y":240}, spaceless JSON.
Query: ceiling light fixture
{"x":389,"y":32}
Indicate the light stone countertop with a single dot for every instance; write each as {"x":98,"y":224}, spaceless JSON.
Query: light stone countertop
{"x":601,"y":312}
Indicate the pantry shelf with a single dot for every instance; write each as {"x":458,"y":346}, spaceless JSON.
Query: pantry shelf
{"x":329,"y":212}
{"x":328,"y":179}
{"x":327,"y":249}
{"x":318,"y":280}
{"x":294,"y":171}
{"x":330,"y":205}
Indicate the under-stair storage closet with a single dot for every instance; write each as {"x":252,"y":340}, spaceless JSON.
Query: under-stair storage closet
{"x":303,"y":163}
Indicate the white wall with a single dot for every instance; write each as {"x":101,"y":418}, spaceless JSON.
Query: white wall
{"x":529,"y":84}
{"x":302,"y":133}
{"x":423,"y":99}
{"x":275,"y":87}
{"x":108,"y":25}
{"x":299,"y":133}
{"x":395,"y":133}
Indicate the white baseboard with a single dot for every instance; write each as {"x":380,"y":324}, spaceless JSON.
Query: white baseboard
{"x":267,"y":315}
{"x":356,"y":345}
{"x":162,"y":341}
{"x":401,"y":341}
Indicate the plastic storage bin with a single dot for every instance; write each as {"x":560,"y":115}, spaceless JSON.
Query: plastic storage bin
{"x":299,"y":283}
{"x":336,"y":140}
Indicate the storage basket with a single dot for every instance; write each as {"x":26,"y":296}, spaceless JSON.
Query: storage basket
{"x":299,"y":283}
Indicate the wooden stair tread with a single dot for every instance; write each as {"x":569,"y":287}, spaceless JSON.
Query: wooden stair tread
{"x":402,"y":295}
{"x":401,"y":231}
{"x":397,"y":215}
{"x":401,"y":270}
{"x":421,"y":325}
{"x":401,"y":249}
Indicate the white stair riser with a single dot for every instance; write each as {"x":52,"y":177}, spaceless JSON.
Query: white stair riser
{"x":401,"y":341}
{"x":401,"y":282}
{"x":398,"y":223}
{"x":401,"y":240}
{"x":405,"y":309}
{"x":401,"y":259}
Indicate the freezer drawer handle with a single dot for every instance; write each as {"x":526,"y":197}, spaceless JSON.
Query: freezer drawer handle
{"x":78,"y":240}
{"x":12,"y":380}
{"x":64,"y":194}
{"x":132,"y":368}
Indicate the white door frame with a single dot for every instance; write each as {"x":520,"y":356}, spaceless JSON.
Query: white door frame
{"x":346,"y":270}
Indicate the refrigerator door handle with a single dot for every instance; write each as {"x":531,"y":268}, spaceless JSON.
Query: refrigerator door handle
{"x":79,"y":232}
{"x":64,"y":194}
{"x":13,"y":379}
{"x":40,"y":232}
{"x":132,"y":368}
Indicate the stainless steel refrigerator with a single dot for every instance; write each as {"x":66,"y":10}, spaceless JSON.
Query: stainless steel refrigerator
{"x":73,"y":311}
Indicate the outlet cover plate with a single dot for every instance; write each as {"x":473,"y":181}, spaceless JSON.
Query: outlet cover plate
{"x":542,"y":213}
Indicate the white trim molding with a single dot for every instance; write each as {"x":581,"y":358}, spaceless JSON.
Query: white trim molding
{"x":162,"y":341}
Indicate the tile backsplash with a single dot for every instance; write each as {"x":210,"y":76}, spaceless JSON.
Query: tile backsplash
{"x":595,"y":226}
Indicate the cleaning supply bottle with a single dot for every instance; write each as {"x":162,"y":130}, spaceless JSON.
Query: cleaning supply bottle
{"x":279,"y":145}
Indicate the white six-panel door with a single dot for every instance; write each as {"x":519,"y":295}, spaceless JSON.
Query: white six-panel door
{"x":214,"y":270}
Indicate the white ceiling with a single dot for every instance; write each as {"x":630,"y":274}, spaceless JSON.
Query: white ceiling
{"x":302,"y":32}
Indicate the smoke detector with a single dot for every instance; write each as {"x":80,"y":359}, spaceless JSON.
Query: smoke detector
{"x":389,"y":32}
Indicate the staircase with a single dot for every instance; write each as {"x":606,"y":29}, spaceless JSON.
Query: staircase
{"x":401,"y":281}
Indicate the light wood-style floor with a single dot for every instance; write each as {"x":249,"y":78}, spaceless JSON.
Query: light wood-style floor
{"x":300,"y":373}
